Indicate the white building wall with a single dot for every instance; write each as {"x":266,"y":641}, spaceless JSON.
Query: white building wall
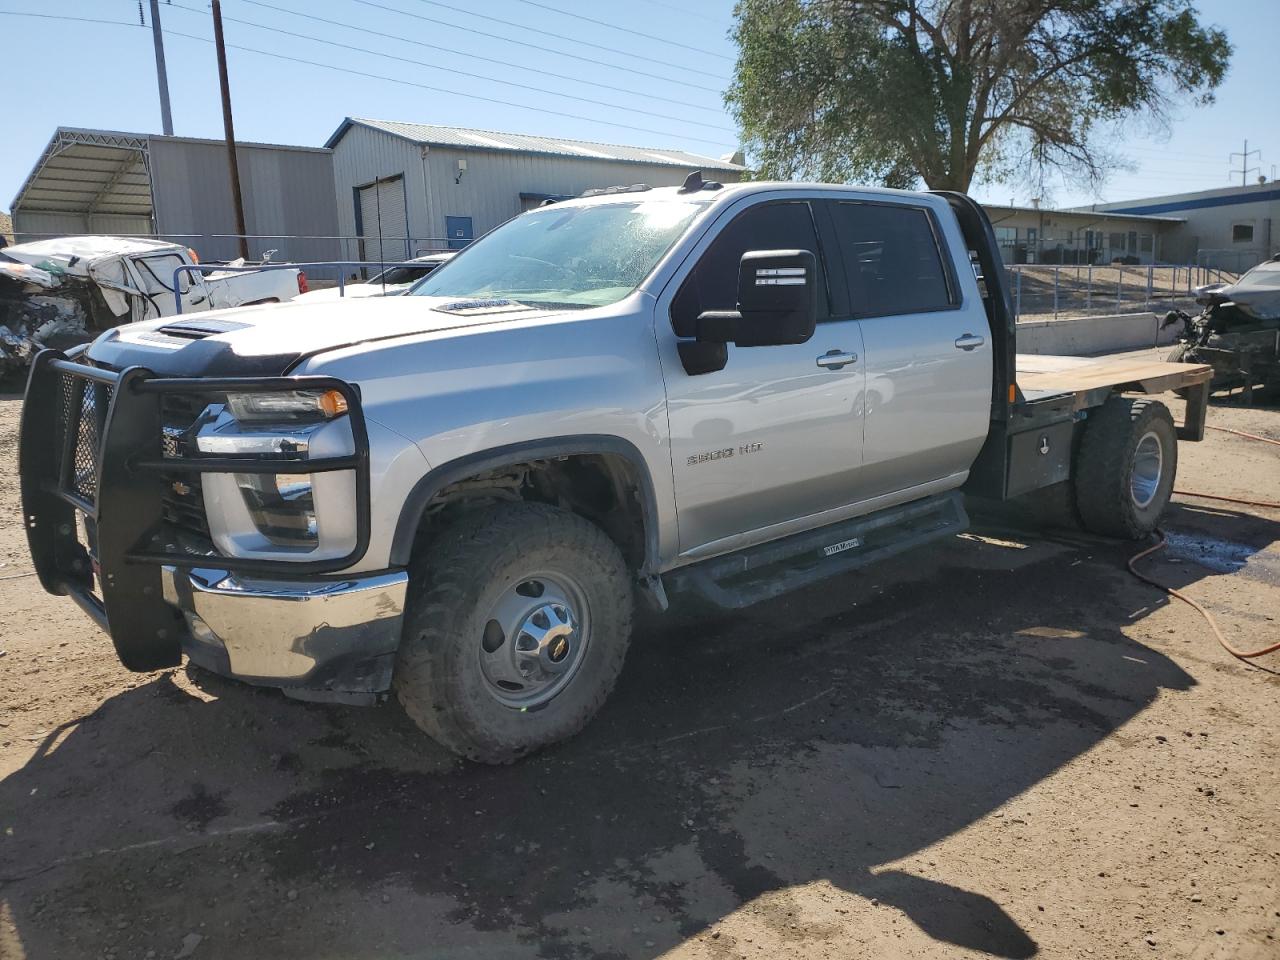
{"x":286,"y":190}
{"x":488,"y":191}
{"x":41,"y":224}
{"x":365,"y":155}
{"x":1208,"y":235}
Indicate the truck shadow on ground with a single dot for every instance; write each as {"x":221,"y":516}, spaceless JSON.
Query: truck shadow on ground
{"x":823,"y":740}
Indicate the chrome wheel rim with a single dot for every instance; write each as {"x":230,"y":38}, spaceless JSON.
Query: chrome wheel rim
{"x":534,"y":639}
{"x":1148,"y":466}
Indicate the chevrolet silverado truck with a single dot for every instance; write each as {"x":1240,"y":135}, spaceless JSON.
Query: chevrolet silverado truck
{"x":726,"y":391}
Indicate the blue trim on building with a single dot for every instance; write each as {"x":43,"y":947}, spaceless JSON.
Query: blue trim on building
{"x":1260,"y":196}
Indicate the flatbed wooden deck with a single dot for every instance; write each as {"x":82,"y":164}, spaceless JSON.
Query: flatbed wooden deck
{"x":1088,"y":381}
{"x":1040,"y":377}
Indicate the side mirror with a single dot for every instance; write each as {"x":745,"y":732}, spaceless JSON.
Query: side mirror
{"x":777,"y":301}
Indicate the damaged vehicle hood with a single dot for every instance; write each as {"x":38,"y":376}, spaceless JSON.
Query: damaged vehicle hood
{"x":1257,"y":293}
{"x":75,"y":255}
{"x":268,"y":340}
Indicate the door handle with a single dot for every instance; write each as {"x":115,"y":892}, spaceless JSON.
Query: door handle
{"x":835,"y":359}
{"x":969,"y":342}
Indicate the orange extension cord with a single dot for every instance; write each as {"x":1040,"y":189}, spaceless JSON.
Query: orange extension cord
{"x":1241,"y":433}
{"x":1245,"y":655}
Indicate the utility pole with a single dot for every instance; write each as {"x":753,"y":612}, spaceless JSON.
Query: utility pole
{"x":1244,"y":163}
{"x":229,"y":128}
{"x":162,"y":75}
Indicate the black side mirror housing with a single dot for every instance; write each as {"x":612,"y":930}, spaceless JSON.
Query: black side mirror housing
{"x":777,"y":301}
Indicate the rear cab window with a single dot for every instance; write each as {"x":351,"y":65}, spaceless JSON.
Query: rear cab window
{"x":893,"y":259}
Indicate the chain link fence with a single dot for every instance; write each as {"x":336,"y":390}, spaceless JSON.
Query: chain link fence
{"x":1043,"y":292}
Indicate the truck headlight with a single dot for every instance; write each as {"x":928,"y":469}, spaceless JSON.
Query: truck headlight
{"x":287,"y":406}
{"x":290,"y":512}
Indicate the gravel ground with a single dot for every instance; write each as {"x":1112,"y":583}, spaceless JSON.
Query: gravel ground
{"x":1000,"y":746}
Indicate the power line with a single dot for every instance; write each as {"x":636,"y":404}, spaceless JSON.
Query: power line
{"x":377,"y":76}
{"x":1180,"y":156}
{"x":461,"y":73}
{"x":54,"y":16}
{"x":535,"y":46}
{"x":458,"y":93}
{"x":585,"y":43}
{"x":685,"y":12}
{"x":476,"y":56}
{"x":614,"y":26}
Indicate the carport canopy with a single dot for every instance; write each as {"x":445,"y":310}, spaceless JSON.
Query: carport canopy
{"x":90,"y":172}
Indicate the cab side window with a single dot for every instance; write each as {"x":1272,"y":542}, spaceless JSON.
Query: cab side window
{"x":713,"y":284}
{"x":891,"y":259}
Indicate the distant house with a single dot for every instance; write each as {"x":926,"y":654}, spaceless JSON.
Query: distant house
{"x":409,"y":187}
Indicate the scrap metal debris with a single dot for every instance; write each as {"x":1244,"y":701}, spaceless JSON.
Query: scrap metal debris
{"x":1237,"y":332}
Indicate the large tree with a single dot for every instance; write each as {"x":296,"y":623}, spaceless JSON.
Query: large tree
{"x":899,"y":91}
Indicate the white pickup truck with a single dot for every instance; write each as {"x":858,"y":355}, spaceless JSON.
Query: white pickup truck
{"x":66,"y":290}
{"x":458,"y":493}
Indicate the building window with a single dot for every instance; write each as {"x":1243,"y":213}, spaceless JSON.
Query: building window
{"x":1242,"y":233}
{"x":1116,"y":241}
{"x":1145,"y":242}
{"x":1006,"y":236}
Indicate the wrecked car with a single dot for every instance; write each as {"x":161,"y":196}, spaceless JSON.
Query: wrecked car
{"x":65,"y":291}
{"x":1237,"y":332}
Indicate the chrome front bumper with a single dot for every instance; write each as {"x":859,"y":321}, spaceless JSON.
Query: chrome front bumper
{"x":319,"y":639}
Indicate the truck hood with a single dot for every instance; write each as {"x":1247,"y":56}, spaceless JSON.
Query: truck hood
{"x":268,"y":340}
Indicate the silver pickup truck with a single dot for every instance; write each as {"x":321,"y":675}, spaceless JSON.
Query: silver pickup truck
{"x":458,"y":494}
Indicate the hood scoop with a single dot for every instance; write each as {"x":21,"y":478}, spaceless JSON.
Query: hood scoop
{"x":199,"y":329}
{"x":471,"y":308}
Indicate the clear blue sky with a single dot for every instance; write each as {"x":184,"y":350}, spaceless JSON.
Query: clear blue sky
{"x":103,"y":76}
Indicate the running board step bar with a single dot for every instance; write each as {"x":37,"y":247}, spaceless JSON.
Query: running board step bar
{"x":771,"y":569}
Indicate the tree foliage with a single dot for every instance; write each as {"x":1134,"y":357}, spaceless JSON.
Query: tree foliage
{"x":898,"y":91}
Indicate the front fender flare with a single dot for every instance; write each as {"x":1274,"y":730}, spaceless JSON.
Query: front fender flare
{"x":483,"y":461}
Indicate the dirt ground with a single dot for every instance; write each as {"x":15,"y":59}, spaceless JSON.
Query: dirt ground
{"x":1001,"y":746}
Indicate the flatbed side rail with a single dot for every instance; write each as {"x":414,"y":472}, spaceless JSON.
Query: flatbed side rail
{"x":93,"y":469}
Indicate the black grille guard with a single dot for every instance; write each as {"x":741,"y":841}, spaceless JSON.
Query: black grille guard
{"x":91,"y":441}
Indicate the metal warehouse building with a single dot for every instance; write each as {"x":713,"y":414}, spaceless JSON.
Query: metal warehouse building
{"x":1231,"y":227}
{"x":100,"y":181}
{"x":408,"y":187}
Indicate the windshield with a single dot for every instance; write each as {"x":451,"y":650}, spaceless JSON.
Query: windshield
{"x":566,"y":257}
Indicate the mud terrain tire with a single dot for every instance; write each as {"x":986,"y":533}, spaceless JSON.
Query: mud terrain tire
{"x":493,"y":565}
{"x":1125,"y":467}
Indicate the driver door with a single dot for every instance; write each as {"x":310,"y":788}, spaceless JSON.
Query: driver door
{"x":776,"y":436}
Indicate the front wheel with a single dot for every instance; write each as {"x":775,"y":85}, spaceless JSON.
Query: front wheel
{"x":518,"y":622}
{"x":1125,"y":467}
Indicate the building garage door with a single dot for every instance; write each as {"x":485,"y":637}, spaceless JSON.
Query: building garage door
{"x":383,"y":228}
